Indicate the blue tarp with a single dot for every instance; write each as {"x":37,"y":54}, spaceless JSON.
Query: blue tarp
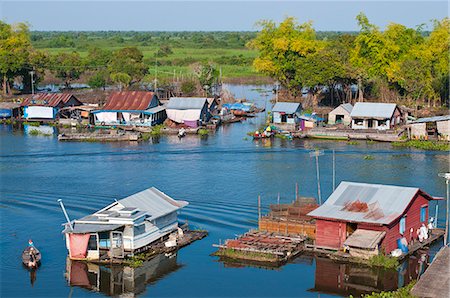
{"x":5,"y":113}
{"x":246,"y":107}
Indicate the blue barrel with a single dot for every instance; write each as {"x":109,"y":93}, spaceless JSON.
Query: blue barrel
{"x":401,"y":246}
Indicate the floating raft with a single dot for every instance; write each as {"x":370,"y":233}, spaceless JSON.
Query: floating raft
{"x":99,"y":137}
{"x":261,"y":247}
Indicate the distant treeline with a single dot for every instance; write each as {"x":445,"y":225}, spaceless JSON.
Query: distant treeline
{"x":83,"y":40}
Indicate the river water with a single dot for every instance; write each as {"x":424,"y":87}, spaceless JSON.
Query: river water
{"x":221,"y":176}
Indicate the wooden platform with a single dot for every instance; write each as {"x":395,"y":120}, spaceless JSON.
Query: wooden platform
{"x":262,"y":247}
{"x":99,"y":137}
{"x":435,"y":282}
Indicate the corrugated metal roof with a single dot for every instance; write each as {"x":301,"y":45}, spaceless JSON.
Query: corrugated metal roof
{"x":9,"y":105}
{"x":128,"y":100}
{"x":48,"y":99}
{"x":384,"y":203}
{"x":373,"y":110}
{"x":155,"y":110}
{"x":82,"y":228}
{"x":433,"y":119}
{"x":365,"y":239}
{"x":152,"y":201}
{"x":286,"y":107}
{"x":347,"y":106}
{"x":186,"y":103}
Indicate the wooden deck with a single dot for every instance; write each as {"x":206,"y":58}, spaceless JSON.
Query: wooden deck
{"x":435,"y":235}
{"x":435,"y":282}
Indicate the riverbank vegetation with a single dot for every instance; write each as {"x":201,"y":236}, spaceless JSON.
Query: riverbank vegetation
{"x":425,"y":145}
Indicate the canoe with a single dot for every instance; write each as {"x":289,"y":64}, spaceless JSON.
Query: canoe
{"x":26,"y":256}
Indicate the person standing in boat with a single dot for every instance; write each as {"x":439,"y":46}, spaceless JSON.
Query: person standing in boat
{"x":30,"y":243}
{"x":32,"y":261}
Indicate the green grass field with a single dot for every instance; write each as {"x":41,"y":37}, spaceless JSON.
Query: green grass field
{"x":181,"y":60}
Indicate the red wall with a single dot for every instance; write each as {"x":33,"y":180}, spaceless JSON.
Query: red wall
{"x":333,"y":233}
{"x":412,"y":221}
{"x":330,"y":233}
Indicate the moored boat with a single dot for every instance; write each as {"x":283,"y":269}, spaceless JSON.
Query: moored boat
{"x":26,"y":257}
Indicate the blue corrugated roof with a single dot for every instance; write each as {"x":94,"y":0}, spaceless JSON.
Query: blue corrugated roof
{"x":433,"y":119}
{"x":373,"y":110}
{"x":286,"y":107}
{"x":186,"y":103}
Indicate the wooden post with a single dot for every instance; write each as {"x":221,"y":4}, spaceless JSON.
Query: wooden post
{"x":259,"y":208}
{"x":296,"y":191}
{"x":448,"y":210}
{"x":318,"y":179}
{"x":278,"y":199}
{"x":334,"y":170}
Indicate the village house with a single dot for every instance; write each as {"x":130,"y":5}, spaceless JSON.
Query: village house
{"x":137,"y":108}
{"x":308,"y":121}
{"x":123,"y":227}
{"x":190,"y":111}
{"x":46,"y":106}
{"x":370,"y":218}
{"x":285,"y":115}
{"x":9,"y":110}
{"x":341,"y":114}
{"x":381,"y":116}
{"x":431,"y":128}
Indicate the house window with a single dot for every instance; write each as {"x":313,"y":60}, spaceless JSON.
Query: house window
{"x":359,"y":121}
{"x":140,"y":229}
{"x":92,"y":244}
{"x":402,"y":225}
{"x":423,"y":214}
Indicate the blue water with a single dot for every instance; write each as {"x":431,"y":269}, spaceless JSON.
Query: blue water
{"x":221,"y":176}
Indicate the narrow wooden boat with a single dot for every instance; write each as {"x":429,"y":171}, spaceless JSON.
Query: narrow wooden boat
{"x":26,"y":256}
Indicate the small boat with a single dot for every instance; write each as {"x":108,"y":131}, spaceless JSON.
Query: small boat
{"x":26,"y":257}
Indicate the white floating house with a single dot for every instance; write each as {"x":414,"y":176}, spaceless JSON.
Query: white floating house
{"x":123,"y":227}
{"x":373,"y":115}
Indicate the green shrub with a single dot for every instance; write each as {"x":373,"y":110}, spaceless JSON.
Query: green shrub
{"x":33,"y":132}
{"x":425,"y":145}
{"x":383,"y":261}
{"x":404,"y":292}
{"x":32,"y":123}
{"x":369,"y":157}
{"x":202,"y":132}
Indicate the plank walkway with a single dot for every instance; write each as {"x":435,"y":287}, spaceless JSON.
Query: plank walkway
{"x":435,"y":282}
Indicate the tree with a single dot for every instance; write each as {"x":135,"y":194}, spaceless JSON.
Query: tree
{"x":282,"y":49}
{"x":67,"y":67}
{"x":164,"y":51}
{"x":207,"y":75}
{"x":38,"y":62}
{"x":122,"y":79}
{"x":97,"y":61}
{"x":128,"y":61}
{"x":14,"y":51}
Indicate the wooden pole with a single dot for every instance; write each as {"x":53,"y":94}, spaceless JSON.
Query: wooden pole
{"x":334,"y":170}
{"x":296,"y":191}
{"x":259,"y":208}
{"x":448,"y":210}
{"x":318,"y":179}
{"x":278,"y":199}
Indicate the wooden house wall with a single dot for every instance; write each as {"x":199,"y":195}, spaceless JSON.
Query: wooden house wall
{"x":330,"y":233}
{"x":288,"y":227}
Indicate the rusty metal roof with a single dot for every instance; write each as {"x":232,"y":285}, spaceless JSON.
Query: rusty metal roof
{"x":129,"y":101}
{"x":48,"y":99}
{"x":385,"y":202}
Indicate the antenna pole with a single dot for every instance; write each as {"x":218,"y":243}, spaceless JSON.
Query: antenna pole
{"x":65,"y":213}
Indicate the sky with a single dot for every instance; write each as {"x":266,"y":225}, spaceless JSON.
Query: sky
{"x":213,"y":15}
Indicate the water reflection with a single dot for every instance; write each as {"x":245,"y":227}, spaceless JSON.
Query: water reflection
{"x":119,"y":280}
{"x":350,"y":279}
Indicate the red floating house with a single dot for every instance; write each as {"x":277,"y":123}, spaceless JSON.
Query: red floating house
{"x":370,"y":218}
